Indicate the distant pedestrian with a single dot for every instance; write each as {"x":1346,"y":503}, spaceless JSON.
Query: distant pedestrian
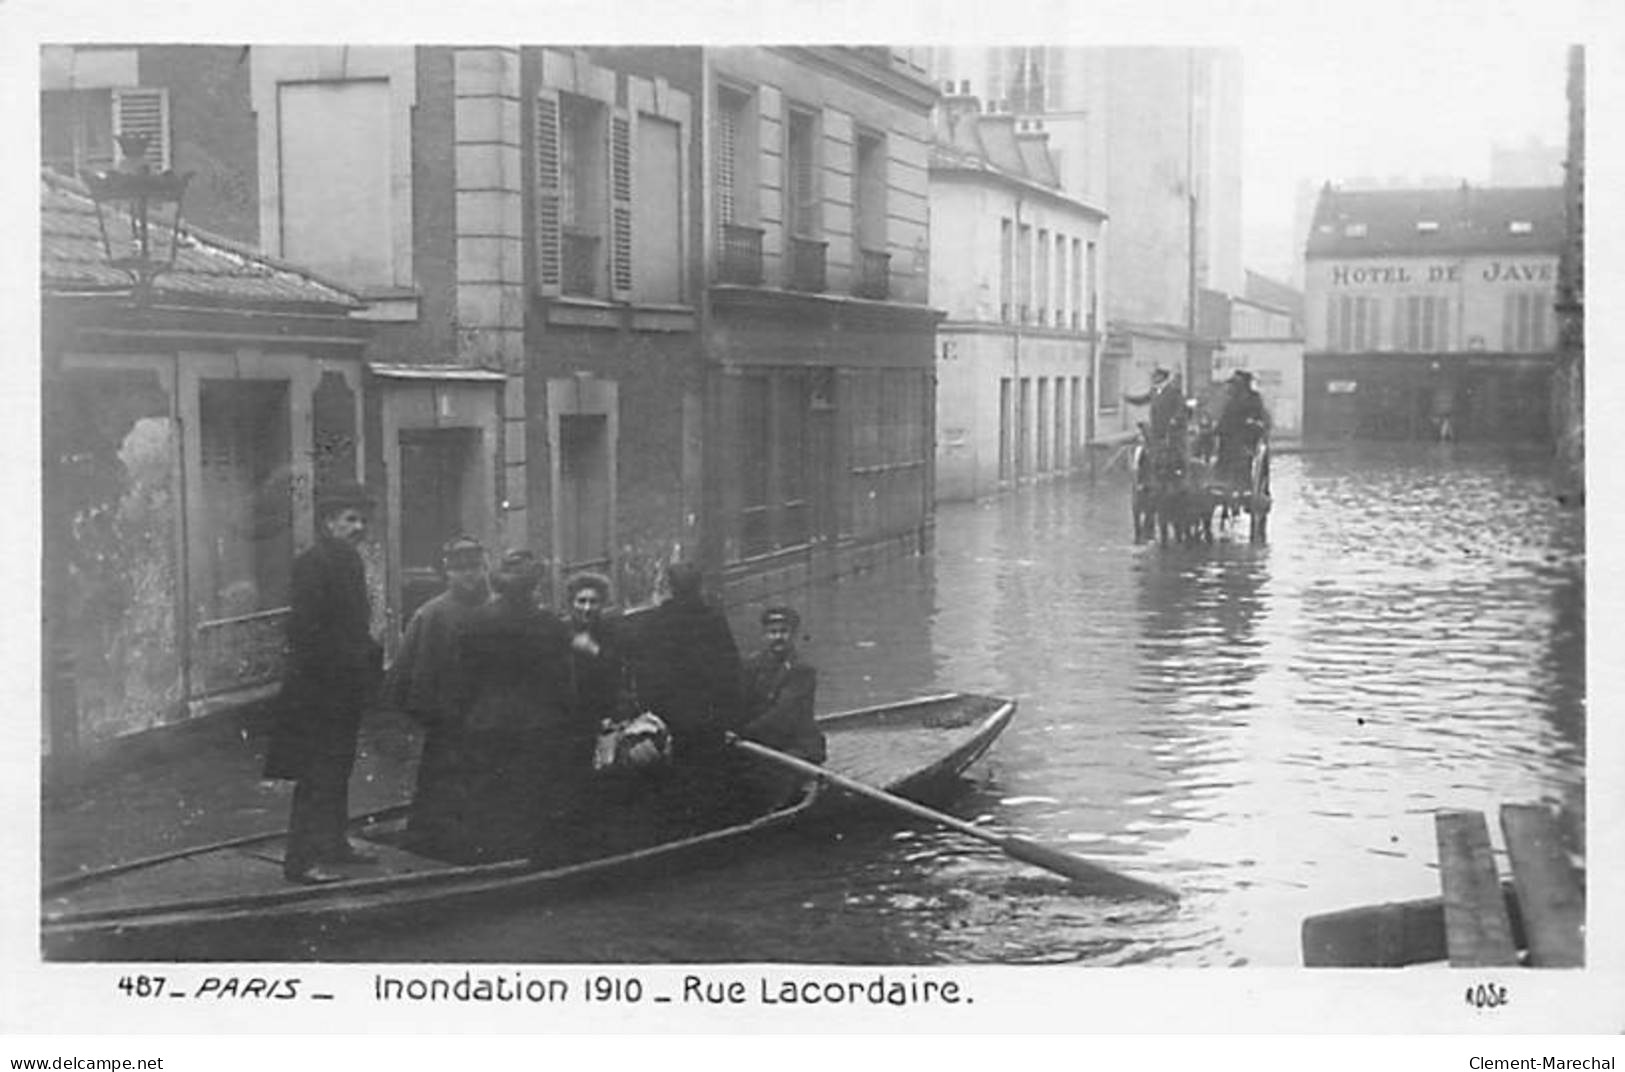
{"x":333,"y":669}
{"x":424,"y":683}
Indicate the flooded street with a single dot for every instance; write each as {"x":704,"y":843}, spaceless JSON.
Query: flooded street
{"x":1267,"y":729}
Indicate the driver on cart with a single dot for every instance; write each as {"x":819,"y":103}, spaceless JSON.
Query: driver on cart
{"x":1169,"y":415}
{"x":1242,"y":426}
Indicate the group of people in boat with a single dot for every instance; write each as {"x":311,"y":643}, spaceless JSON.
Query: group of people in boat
{"x":1179,"y":428}
{"x":549,"y":736}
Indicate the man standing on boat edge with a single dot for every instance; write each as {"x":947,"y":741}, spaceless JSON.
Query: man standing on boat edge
{"x":333,"y":668}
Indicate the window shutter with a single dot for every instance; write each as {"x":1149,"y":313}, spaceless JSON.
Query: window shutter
{"x":1441,"y":338}
{"x":620,"y":205}
{"x":1509,"y":314}
{"x":726,"y":156}
{"x":144,"y":111}
{"x":1537,"y":320}
{"x":1374,"y":329}
{"x":1331,"y":322}
{"x":549,"y":218}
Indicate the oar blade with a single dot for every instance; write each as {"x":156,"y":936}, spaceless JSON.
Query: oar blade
{"x":1097,"y":878}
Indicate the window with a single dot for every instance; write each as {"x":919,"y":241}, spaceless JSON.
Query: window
{"x":801,"y":175}
{"x":1523,"y":326}
{"x":1007,"y":264}
{"x":889,"y":450}
{"x":1042,"y":297}
{"x":658,"y":256}
{"x":247,"y":496}
{"x":1427,"y":226}
{"x":1111,"y":382}
{"x":78,"y":127}
{"x":1061,"y":291}
{"x":1083,"y":288}
{"x":335,"y":179}
{"x":776,"y":509}
{"x":1006,"y":420}
{"x":1354,"y":230}
{"x":1024,"y":273}
{"x":581,"y":190}
{"x":1024,"y":425}
{"x":1043,"y":422}
{"x":1075,"y":411}
{"x":739,"y":241}
{"x":1421,"y":323}
{"x":1352,"y":323}
{"x":873,"y":261}
{"x":1521,"y":227}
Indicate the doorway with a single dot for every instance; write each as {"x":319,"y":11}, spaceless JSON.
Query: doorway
{"x":435,"y":465}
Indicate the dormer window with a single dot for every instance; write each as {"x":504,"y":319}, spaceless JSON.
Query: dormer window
{"x":1354,"y":230}
{"x":1521,"y":227}
{"x":1427,"y":226}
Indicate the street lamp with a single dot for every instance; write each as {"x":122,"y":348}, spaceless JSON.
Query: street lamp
{"x":139,"y":213}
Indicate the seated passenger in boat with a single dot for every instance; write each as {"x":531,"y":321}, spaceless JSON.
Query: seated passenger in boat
{"x":599,"y":677}
{"x":423,"y":684}
{"x":780,"y":690}
{"x":528,"y":750}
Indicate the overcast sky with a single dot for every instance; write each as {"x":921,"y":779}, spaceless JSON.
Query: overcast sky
{"x":1370,"y":100}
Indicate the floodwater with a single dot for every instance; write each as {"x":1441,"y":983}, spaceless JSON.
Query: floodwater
{"x":1268,"y":729}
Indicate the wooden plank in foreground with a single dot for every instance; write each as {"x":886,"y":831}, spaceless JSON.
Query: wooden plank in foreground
{"x":1549,"y":892}
{"x":1477,"y":930}
{"x":1389,"y":935}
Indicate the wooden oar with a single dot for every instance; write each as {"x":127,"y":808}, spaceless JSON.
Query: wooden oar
{"x":1099,"y":879}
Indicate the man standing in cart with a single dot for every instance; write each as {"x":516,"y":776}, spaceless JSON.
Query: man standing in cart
{"x":1168,"y":417}
{"x":1242,"y":426}
{"x":333,"y":669}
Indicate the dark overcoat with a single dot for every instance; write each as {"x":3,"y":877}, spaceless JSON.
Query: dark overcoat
{"x":686,"y":668}
{"x":333,"y":663}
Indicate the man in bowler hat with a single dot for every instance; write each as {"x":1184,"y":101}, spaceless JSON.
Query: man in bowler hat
{"x":333,"y":667}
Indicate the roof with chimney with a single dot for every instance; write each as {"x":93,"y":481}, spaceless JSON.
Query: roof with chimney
{"x":208,"y":270}
{"x":997,"y":144}
{"x":1420,"y":222}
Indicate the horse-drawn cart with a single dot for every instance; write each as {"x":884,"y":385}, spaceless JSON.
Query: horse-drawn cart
{"x":1178,"y":494}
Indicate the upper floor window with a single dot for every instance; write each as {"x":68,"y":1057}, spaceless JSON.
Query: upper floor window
{"x":79,"y":127}
{"x":1354,"y":230}
{"x":1042,"y":297}
{"x":801,"y":174}
{"x":1007,"y":269}
{"x":584,"y":220}
{"x":1353,"y":323}
{"x":1427,"y":226}
{"x":1523,"y":323}
{"x":335,"y":179}
{"x":1024,"y":272}
{"x":1421,"y":323}
{"x":872,"y":258}
{"x":1060,"y":281}
{"x":1521,"y":227}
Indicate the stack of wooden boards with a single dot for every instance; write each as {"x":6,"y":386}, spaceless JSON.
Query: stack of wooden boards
{"x":1536,"y":918}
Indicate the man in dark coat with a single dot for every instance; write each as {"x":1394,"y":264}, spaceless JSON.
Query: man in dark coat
{"x":424,"y":683}
{"x":1168,"y":419}
{"x":528,"y":752}
{"x":686,"y":665}
{"x":687,"y":670}
{"x":1242,"y":424}
{"x":333,"y":667}
{"x":780,"y":693}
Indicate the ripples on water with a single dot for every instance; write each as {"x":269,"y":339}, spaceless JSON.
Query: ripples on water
{"x":1268,"y":729}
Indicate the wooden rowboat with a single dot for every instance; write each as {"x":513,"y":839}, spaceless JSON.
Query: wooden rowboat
{"x":229,"y":900}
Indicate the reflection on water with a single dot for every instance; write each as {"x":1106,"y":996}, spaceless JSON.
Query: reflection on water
{"x":1268,"y":729}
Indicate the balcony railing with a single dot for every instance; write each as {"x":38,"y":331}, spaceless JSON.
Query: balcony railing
{"x":874,"y":275}
{"x":807,"y":263}
{"x":581,"y":264}
{"x":740,"y":256}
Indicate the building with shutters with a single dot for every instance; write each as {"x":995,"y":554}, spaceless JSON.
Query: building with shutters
{"x":820,"y":456}
{"x":1430,"y":313}
{"x":183,"y":435}
{"x":1017,"y":274}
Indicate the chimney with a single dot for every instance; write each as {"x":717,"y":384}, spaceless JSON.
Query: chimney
{"x":955,"y":107}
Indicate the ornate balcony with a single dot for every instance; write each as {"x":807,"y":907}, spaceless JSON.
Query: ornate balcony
{"x":874,"y":275}
{"x":807,"y":264}
{"x":739,"y":257}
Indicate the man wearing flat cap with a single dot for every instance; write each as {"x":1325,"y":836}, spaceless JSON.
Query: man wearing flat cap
{"x":333,"y":667}
{"x":780,"y":690}
{"x":1242,"y":425}
{"x":423,"y":683}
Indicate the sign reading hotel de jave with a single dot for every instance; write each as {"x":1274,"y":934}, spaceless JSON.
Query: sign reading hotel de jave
{"x":1493,"y":271}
